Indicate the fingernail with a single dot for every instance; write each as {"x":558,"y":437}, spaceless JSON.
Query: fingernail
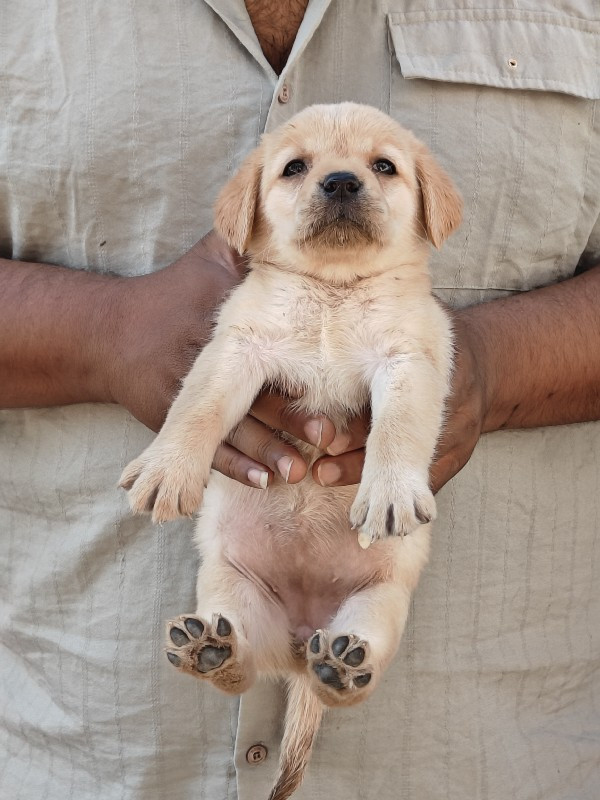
{"x":314,"y":431}
{"x":258,"y":477}
{"x":284,"y":465}
{"x":339,"y":444}
{"x":328,"y":473}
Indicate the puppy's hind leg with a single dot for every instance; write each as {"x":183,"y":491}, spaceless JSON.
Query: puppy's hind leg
{"x":228,"y":639}
{"x":346,"y":660}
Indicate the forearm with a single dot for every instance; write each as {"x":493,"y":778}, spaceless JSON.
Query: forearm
{"x":540,"y":352}
{"x":54,"y":324}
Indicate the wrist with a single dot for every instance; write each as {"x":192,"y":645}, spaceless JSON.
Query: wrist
{"x":103,"y":357}
{"x":211,"y":251}
{"x":54,"y":330}
{"x":474,"y":336}
{"x":535,"y":354}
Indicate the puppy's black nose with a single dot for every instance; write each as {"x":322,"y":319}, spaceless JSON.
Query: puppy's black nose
{"x":341,"y":184}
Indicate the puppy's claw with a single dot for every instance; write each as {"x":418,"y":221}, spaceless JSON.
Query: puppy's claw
{"x":364,"y":540}
{"x":130,"y":475}
{"x":390,"y":522}
{"x":423,"y":516}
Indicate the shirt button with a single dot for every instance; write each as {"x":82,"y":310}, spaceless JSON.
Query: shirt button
{"x":256,"y":754}
{"x":284,"y":94}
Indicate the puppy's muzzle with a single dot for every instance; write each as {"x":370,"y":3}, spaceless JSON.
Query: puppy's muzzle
{"x":341,"y":186}
{"x":340,"y":213}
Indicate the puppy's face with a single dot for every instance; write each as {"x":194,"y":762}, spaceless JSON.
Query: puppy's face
{"x":338,"y":179}
{"x":339,"y":192}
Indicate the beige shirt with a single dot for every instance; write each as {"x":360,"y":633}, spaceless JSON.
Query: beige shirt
{"x":120,"y":122}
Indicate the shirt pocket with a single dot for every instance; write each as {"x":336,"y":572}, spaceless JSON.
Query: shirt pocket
{"x":506,"y":100}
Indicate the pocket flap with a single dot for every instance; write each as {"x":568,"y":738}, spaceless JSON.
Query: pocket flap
{"x":504,"y":48}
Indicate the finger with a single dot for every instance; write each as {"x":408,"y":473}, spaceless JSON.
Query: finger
{"x":343,"y":470}
{"x":278,"y":412}
{"x":238,"y":466}
{"x":260,"y":444}
{"x":353,"y":438}
{"x":446,"y":467}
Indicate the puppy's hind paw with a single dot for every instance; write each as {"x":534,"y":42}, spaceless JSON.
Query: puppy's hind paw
{"x":198,"y":646}
{"x":209,"y":650}
{"x":340,"y":665}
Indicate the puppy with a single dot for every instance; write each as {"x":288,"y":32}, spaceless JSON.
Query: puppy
{"x":335,"y":209}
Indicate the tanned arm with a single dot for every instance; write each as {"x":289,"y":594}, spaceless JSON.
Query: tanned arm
{"x":71,"y":336}
{"x":55,"y":324}
{"x":541,"y":352}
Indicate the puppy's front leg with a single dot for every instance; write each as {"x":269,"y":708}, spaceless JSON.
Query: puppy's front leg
{"x":407,"y":396}
{"x":170,"y":476}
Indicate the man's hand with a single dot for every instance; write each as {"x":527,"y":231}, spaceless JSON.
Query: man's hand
{"x":253,"y":452}
{"x":161,"y":321}
{"x":466,"y":408}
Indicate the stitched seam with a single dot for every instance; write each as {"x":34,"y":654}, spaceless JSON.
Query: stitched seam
{"x":515,"y":195}
{"x":480,"y":288}
{"x":555,"y":177}
{"x":458,"y":277}
{"x":560,"y":260}
{"x":135,"y":170}
{"x":506,"y":82}
{"x":542,"y":18}
{"x":183,"y":52}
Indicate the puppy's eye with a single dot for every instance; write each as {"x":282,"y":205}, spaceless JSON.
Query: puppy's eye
{"x":384,"y":166}
{"x":295,"y":167}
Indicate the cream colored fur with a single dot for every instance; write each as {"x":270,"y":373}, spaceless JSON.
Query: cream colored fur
{"x":340,"y":316}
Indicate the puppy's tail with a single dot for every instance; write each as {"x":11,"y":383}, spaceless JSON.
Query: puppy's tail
{"x":302,"y":719}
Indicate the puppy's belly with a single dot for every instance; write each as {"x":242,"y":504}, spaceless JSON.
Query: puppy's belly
{"x":295,"y":543}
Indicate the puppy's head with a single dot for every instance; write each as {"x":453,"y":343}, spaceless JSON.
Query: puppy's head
{"x":339,"y":191}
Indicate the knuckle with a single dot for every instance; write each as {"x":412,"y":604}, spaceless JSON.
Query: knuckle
{"x":236,"y":434}
{"x":288,"y":417}
{"x":226,"y":462}
{"x":471,"y":423}
{"x":265,"y":449}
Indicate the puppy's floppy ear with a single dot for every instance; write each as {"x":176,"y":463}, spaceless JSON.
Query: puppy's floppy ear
{"x":442,"y":204}
{"x":236,"y":204}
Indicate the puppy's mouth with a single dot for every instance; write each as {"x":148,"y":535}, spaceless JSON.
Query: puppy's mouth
{"x":339,"y":224}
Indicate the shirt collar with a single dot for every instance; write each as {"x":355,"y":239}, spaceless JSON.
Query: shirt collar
{"x":235,"y":16}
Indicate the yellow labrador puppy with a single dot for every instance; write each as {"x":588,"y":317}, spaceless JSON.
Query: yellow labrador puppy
{"x":335,"y":209}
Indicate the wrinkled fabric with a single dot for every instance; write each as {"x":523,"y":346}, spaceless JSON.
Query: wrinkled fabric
{"x":120,"y":123}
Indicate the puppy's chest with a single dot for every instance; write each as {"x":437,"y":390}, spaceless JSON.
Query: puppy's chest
{"x":332,"y":347}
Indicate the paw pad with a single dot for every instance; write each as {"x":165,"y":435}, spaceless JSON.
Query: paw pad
{"x":199,"y":646}
{"x":341,"y":663}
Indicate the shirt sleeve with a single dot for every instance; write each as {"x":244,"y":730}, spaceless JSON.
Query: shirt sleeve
{"x":591,"y":255}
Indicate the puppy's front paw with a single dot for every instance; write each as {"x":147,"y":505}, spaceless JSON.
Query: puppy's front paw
{"x":167,"y":483}
{"x":390,"y":503}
